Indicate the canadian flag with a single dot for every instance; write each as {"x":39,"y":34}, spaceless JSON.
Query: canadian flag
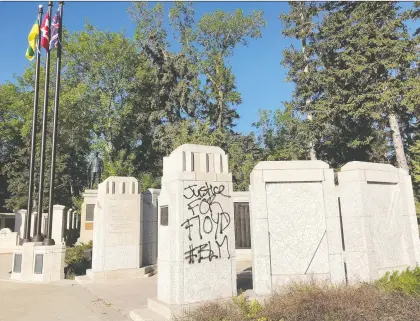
{"x":45,"y":29}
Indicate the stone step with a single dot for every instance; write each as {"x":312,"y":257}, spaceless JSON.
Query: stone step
{"x":83,"y":279}
{"x":121,"y":274}
{"x":160,"y":308}
{"x":145,"y":315}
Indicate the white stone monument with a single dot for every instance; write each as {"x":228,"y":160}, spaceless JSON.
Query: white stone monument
{"x":37,"y":263}
{"x":379,"y":220}
{"x":58,"y":223}
{"x":117,"y":230}
{"x":87,"y":215}
{"x":20,"y":221}
{"x":196,"y":241}
{"x":150,"y":226}
{"x":8,"y":240}
{"x":295,"y":224}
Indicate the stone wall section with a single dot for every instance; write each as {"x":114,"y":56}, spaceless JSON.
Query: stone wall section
{"x":295,"y":224}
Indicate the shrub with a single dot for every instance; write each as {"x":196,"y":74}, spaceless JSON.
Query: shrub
{"x":316,"y":303}
{"x":407,"y":282}
{"x":76,"y":260}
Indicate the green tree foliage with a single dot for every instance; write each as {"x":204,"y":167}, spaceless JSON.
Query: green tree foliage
{"x":299,"y":24}
{"x":72,"y":144}
{"x":360,"y":60}
{"x":219,"y":33}
{"x":282,"y":135}
{"x":357,"y":94}
{"x":132,"y":100}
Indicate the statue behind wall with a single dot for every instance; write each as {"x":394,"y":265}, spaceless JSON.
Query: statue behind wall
{"x":95,"y":171}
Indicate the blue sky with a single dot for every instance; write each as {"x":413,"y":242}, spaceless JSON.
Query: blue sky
{"x":259,"y":74}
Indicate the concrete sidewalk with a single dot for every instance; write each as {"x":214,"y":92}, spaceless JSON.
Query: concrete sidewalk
{"x":124,"y":295}
{"x":107,"y":300}
{"x":64,"y":301}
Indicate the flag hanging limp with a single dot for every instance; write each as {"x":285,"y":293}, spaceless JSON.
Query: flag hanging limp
{"x":55,"y":26}
{"x":45,"y":29}
{"x":30,"y":52}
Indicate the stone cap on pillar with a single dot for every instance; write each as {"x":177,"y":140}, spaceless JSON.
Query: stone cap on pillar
{"x":368,"y":166}
{"x":153,"y":191}
{"x":59,"y":207}
{"x":120,"y":185}
{"x":90,"y":193}
{"x":290,"y":171}
{"x":296,"y":164}
{"x":210,"y":161}
{"x":371,"y":172}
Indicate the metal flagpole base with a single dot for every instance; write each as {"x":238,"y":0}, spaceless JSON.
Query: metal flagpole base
{"x":48,"y":242}
{"x":26,"y":241}
{"x":38,"y":238}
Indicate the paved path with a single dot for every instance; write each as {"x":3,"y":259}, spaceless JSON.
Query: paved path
{"x":5,"y":265}
{"x":110,"y":300}
{"x":65,"y":301}
{"x":124,"y":295}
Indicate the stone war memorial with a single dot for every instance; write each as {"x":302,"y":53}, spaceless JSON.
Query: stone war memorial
{"x":304,"y":223}
{"x":304,"y":227}
{"x":117,"y":237}
{"x":196,"y":241}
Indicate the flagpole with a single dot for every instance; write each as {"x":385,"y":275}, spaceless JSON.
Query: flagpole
{"x":38,"y":236}
{"x":49,"y":240}
{"x":27,"y":234}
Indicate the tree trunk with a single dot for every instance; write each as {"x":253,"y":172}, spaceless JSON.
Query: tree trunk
{"x":397,"y":141}
{"x":312,"y":154}
{"x":220,"y":104}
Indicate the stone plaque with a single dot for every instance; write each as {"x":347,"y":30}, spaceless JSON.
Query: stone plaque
{"x":88,"y":226}
{"x":164,"y":216}
{"x":90,"y":208}
{"x":17,"y":265}
{"x":39,"y":261}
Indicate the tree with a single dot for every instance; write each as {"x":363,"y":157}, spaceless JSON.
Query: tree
{"x":105,"y":65}
{"x":299,"y":24}
{"x":282,"y":135}
{"x":218,"y":34}
{"x":366,"y":54}
{"x":72,"y":147}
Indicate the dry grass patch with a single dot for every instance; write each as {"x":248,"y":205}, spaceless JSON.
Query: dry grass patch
{"x":317,"y":303}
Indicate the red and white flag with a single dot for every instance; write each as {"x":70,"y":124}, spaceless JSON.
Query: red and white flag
{"x":45,"y":40}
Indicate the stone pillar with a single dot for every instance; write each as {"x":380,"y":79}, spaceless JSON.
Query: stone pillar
{"x":379,"y":220}
{"x":150,"y":226}
{"x":75,"y":215}
{"x":33,"y":222}
{"x":44,"y":223}
{"x":20,"y":219}
{"x":117,"y":231}
{"x":58,"y":227}
{"x":196,"y":244}
{"x":70,"y":219}
{"x":87,"y":215}
{"x":295,"y":224}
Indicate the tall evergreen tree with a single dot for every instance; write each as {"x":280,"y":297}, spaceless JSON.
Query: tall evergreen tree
{"x":366,"y":54}
{"x":299,"y":24}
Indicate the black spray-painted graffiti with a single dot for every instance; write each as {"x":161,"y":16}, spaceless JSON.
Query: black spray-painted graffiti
{"x":207,"y":218}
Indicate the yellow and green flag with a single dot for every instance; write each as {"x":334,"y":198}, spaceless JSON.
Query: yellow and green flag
{"x":30,"y":52}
